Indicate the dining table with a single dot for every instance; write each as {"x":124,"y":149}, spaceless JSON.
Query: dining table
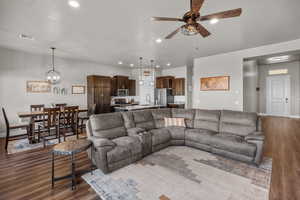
{"x":28,"y":114}
{"x":34,"y":114}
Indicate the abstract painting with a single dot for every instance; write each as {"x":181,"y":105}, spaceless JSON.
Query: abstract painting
{"x":218,"y":83}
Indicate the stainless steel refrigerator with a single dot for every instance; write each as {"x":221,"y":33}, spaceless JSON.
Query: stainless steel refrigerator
{"x":163,"y":96}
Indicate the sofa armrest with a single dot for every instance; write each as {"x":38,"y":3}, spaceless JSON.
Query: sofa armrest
{"x":102,"y":142}
{"x":135,"y":131}
{"x":258,"y":136}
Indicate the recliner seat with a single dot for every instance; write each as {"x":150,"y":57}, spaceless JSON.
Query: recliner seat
{"x":123,"y":138}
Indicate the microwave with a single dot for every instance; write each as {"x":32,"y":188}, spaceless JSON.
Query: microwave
{"x":122,"y":92}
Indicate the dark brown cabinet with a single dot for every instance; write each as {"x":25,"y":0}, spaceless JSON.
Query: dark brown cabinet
{"x":164,"y":82}
{"x":99,"y":93}
{"x":132,"y":88}
{"x":178,"y":87}
{"x":122,"y":82}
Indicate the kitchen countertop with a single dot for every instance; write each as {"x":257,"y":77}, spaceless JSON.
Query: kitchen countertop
{"x":137,"y":107}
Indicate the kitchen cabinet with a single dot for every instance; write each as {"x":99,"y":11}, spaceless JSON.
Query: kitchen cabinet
{"x":122,"y":82}
{"x":164,"y":82}
{"x":132,"y":88}
{"x":99,"y":93}
{"x":179,"y":87}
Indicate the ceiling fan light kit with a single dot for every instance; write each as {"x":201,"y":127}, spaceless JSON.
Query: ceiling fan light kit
{"x":192,"y":17}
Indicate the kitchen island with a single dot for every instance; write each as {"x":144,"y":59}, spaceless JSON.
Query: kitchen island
{"x":137,"y":107}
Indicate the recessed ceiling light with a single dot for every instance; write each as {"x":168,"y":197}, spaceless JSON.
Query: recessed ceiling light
{"x":168,"y":64}
{"x":279,"y":58}
{"x":26,"y":37}
{"x":131,"y":65}
{"x":74,"y":4}
{"x":214,"y":21}
{"x":157,"y":66}
{"x":120,"y":63}
{"x":158,"y":40}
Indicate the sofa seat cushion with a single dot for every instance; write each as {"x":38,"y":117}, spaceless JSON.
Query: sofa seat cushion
{"x":160,"y":136}
{"x":234,"y":144}
{"x":200,"y":136}
{"x":117,"y":154}
{"x":187,"y":114}
{"x":177,"y":133}
{"x":109,"y":125}
{"x":238,"y":123}
{"x":143,"y":119}
{"x":159,"y":115}
{"x":207,"y":119}
{"x":132,"y":143}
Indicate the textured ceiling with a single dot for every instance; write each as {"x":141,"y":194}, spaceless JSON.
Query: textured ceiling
{"x":107,"y":31}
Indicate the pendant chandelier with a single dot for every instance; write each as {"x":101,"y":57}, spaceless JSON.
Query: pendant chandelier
{"x":52,"y":75}
{"x":146,"y":73}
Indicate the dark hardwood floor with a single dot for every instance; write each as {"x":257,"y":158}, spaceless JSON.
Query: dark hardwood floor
{"x":27,"y":175}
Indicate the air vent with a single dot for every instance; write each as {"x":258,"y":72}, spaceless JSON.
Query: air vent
{"x":26,"y":37}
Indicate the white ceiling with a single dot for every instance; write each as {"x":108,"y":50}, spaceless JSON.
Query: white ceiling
{"x":107,"y":31}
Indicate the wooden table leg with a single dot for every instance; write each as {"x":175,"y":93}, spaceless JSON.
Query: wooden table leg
{"x":52,"y":170}
{"x":92,"y":164}
{"x":73,"y":171}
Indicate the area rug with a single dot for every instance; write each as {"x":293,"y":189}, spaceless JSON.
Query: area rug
{"x":17,"y":146}
{"x":184,"y":173}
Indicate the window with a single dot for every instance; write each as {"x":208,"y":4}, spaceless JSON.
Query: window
{"x":278,"y":71}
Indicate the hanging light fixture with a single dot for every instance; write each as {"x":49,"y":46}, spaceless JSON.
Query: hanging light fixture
{"x":141,"y":71}
{"x":52,"y":75}
{"x":146,"y":74}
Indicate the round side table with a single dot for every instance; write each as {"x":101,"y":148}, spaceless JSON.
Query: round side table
{"x":70,"y":148}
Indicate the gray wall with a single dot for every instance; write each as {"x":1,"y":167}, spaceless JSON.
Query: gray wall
{"x":250,"y":84}
{"x":17,"y":67}
{"x":294,"y":72}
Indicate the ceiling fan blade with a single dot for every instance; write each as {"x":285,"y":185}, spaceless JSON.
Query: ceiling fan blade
{"x":222,"y":15}
{"x":165,"y":19}
{"x":173,"y":33}
{"x":196,"y":5}
{"x":202,"y":30}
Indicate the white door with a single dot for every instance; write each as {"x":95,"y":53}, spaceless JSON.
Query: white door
{"x":278,"y":95}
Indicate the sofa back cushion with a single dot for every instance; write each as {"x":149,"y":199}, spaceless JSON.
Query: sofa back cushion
{"x":238,"y":123}
{"x":128,"y":119}
{"x":159,"y":115}
{"x":143,"y":119}
{"x":207,"y":119}
{"x":110,"y":125}
{"x":187,"y":114}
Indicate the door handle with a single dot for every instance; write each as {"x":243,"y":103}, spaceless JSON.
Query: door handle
{"x":286,"y":100}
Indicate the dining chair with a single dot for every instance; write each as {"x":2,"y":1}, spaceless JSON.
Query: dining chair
{"x":85,"y":116}
{"x":38,"y":118}
{"x":16,"y":131}
{"x":60,"y":105}
{"x":51,"y":122}
{"x":69,"y":120}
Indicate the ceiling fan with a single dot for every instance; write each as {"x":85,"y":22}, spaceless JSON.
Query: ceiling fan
{"x":192,"y":17}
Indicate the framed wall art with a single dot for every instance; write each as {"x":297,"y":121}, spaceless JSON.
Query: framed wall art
{"x":38,"y":87}
{"x":218,"y":83}
{"x":78,"y":89}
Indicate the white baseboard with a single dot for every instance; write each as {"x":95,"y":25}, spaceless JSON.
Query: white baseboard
{"x":287,"y":116}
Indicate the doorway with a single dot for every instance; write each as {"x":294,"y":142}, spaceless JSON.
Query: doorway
{"x":278,"y":95}
{"x":272,"y":84}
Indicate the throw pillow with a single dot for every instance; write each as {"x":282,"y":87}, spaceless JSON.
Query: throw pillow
{"x":174,"y":122}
